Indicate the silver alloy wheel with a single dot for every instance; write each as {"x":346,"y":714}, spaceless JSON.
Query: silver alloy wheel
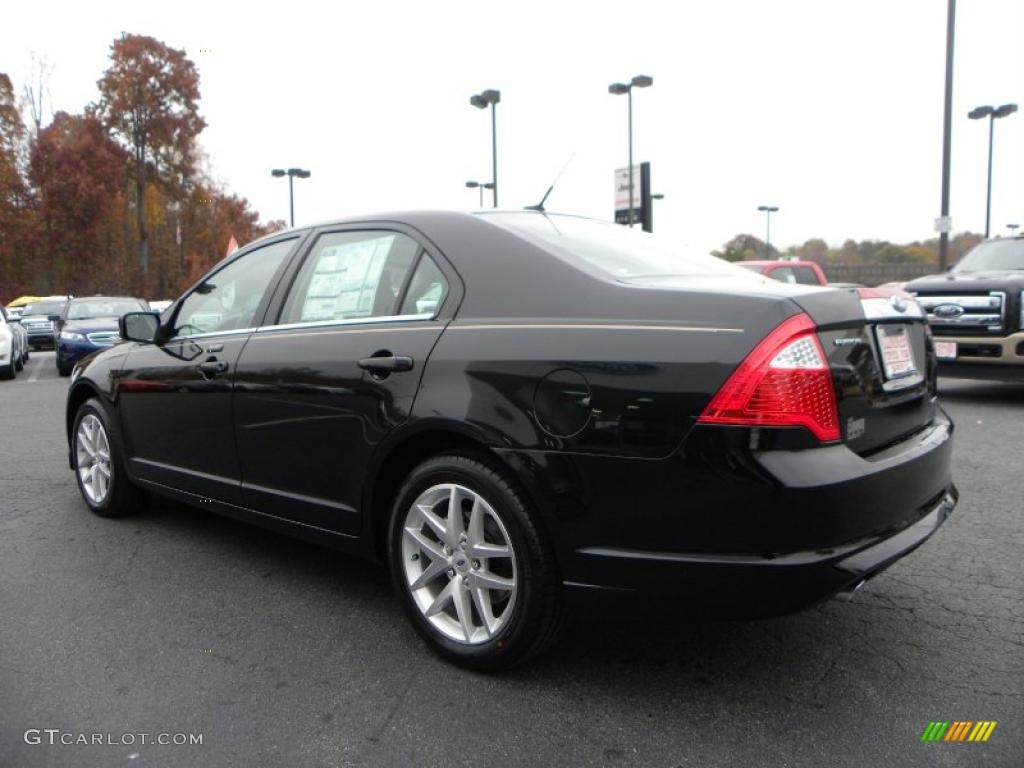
{"x":92,"y":458}
{"x":459,"y":563}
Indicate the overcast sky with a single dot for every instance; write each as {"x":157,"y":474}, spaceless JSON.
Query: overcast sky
{"x":830,"y":110}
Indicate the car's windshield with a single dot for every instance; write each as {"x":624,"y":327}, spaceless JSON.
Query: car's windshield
{"x":619,"y":251}
{"x":90,"y":308}
{"x":44,"y":308}
{"x":993,"y":255}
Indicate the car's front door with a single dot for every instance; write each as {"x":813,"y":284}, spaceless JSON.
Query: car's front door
{"x":175,"y":397}
{"x":318,"y":390}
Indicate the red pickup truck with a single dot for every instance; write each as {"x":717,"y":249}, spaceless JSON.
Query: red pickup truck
{"x":805,"y":272}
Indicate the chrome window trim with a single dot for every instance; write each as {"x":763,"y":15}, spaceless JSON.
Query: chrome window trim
{"x":587,"y":327}
{"x":213,"y":334}
{"x":346,"y":322}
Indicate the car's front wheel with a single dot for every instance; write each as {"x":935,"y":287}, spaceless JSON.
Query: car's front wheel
{"x":99,"y":464}
{"x":471,"y":566}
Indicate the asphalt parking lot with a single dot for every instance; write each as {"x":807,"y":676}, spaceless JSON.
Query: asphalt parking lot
{"x":283,"y":654}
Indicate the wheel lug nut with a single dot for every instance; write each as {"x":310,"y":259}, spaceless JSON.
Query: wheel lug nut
{"x":415,"y":556}
{"x":451,"y":573}
{"x":476,"y":564}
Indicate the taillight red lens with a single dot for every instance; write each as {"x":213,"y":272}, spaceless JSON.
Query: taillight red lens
{"x":784,"y":382}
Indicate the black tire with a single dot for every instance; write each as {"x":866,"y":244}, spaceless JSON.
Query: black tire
{"x":123,"y":497}
{"x":63,"y":370}
{"x":8,"y":371}
{"x":19,"y":364}
{"x":537,"y":614}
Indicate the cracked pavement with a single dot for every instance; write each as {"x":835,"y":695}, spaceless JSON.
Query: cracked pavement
{"x":282,"y":653}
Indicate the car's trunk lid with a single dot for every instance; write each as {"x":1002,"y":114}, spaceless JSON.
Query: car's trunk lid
{"x":882,"y":362}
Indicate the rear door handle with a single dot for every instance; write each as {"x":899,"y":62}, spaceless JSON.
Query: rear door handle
{"x":388,"y":363}
{"x":212,"y":367}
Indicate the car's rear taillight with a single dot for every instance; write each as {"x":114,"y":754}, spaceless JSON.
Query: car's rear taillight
{"x":784,"y":382}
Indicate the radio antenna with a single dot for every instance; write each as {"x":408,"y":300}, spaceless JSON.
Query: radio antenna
{"x":540,"y":206}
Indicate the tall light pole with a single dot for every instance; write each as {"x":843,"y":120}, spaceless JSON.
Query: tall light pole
{"x":943,"y":224}
{"x":481,"y":185}
{"x":291,"y":173}
{"x":992,"y":113}
{"x":482,"y":100}
{"x":640,"y":81}
{"x":768,"y":211}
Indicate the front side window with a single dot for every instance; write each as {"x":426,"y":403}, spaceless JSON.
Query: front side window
{"x":351,"y":275}
{"x":229,"y":298}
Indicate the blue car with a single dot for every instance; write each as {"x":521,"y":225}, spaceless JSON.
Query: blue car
{"x":90,"y":323}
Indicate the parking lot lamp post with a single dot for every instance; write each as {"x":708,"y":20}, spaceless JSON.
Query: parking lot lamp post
{"x":291,"y":173}
{"x":617,"y":89}
{"x":481,"y":185}
{"x":768,"y":211}
{"x":993,"y":114}
{"x":482,"y":100}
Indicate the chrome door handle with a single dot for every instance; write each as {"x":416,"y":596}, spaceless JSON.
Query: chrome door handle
{"x":212,"y":368}
{"x":386,"y":363}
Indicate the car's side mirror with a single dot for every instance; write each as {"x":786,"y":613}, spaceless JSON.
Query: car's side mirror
{"x":139,"y":326}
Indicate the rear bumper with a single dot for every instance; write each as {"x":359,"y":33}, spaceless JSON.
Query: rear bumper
{"x":727,"y":532}
{"x":40,"y":337}
{"x":749,"y":587}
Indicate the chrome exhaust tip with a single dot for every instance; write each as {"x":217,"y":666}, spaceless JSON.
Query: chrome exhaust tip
{"x":846,"y":595}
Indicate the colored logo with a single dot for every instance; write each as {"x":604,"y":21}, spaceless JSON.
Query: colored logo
{"x":959,"y":730}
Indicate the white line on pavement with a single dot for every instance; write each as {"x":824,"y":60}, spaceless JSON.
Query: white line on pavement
{"x":36,"y":370}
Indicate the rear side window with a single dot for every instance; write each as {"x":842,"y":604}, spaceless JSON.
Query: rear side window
{"x":426,"y":291}
{"x":351,"y":275}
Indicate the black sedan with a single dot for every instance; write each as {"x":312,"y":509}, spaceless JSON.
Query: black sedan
{"x":527,"y":414}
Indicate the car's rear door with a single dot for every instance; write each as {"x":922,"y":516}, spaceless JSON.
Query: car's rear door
{"x":320,"y":387}
{"x":175,"y":398}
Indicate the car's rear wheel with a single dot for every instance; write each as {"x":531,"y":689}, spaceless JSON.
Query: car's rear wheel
{"x":471,"y":566}
{"x":63,"y":370}
{"x":99,"y":464}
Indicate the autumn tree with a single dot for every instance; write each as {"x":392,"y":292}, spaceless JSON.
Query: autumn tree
{"x":79,"y":173}
{"x":744,"y":248}
{"x":14,"y":195}
{"x":149,"y":98}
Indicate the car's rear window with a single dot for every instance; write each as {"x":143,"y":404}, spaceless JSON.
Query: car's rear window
{"x":103,"y":307}
{"x":616,"y":250}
